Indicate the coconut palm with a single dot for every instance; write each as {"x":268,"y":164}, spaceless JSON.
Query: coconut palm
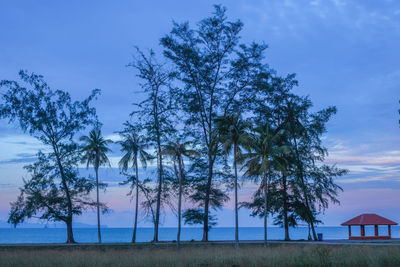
{"x":233,"y":132}
{"x":265,"y":149}
{"x":133,"y":145}
{"x":177,"y":150}
{"x":95,"y":153}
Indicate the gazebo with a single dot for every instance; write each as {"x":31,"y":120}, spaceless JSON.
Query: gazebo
{"x":369,"y":219}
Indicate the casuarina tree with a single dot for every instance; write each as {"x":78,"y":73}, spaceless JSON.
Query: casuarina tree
{"x":55,"y":190}
{"x":216,"y":72}
{"x":305,"y":163}
{"x":155,"y":115}
{"x":304,"y":130}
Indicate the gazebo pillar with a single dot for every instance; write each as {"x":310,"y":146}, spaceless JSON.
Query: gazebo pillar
{"x":349,"y":231}
{"x":389,"y":231}
{"x":376,"y":231}
{"x":362,"y":230}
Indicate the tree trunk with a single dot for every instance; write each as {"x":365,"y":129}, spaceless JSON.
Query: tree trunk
{"x":159,"y":192}
{"x":207,"y":200}
{"x":136,"y":202}
{"x":309,"y":213}
{"x":285,"y":208}
{"x":159,"y":159}
{"x":178,"y":237}
{"x":236,"y":198}
{"x":98,"y":204}
{"x":70,"y":233}
{"x":301,"y":174}
{"x":312,"y":224}
{"x":70,"y":238}
{"x":265,"y":208}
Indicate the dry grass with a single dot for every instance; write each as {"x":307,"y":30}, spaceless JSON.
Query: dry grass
{"x":250,"y":255}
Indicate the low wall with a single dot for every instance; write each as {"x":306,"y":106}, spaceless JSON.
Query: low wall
{"x":383,"y":237}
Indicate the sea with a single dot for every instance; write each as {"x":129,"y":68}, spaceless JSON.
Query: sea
{"x":123,"y":235}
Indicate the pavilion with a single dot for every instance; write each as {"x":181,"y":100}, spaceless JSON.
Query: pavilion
{"x":369,"y":219}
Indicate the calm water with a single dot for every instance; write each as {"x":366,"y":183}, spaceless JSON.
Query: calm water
{"x":87,"y":235}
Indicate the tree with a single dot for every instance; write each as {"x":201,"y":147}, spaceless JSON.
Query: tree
{"x":233,"y":135}
{"x":55,"y":191}
{"x":133,"y":145}
{"x":303,"y":130}
{"x":284,"y":195}
{"x":177,"y":150}
{"x":95,"y":149}
{"x":155,"y":114}
{"x":196,"y":179}
{"x":258,"y":162}
{"x":217,"y":72}
{"x":295,"y":112}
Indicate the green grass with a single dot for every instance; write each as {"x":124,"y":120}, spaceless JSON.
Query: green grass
{"x":202,"y":255}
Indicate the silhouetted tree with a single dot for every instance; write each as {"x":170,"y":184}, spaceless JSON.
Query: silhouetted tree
{"x":155,"y":115}
{"x":265,"y":149}
{"x":233,"y":132}
{"x":95,"y":149}
{"x":216,"y":71}
{"x":177,"y":150}
{"x":55,"y":191}
{"x":196,"y":178}
{"x":305,"y":130}
{"x":133,"y":145}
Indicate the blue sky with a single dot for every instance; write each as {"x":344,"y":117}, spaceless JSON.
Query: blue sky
{"x":345,"y":53}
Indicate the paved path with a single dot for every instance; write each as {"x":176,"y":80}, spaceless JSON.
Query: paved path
{"x":392,"y":242}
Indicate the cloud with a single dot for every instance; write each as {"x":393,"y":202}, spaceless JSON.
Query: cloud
{"x":3,"y":186}
{"x":370,"y":178}
{"x":348,"y":18}
{"x":315,"y":2}
{"x":367,"y":163}
{"x":113,"y":137}
{"x":21,"y":158}
{"x":18,"y":143}
{"x":18,"y":149}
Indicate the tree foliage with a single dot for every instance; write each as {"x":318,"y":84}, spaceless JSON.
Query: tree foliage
{"x":213,"y":113}
{"x":55,"y":191}
{"x":154,"y":113}
{"x":133,"y":145}
{"x":216,"y":71}
{"x":95,"y":149}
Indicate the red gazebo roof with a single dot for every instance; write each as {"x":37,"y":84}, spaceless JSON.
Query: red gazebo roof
{"x":369,"y":219}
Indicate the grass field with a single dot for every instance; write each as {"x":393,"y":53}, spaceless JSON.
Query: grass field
{"x":202,"y":255}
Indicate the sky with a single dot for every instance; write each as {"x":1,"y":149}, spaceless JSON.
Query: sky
{"x":345,"y":53}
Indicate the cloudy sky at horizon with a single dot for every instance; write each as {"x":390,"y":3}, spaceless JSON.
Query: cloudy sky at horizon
{"x":345,"y":53}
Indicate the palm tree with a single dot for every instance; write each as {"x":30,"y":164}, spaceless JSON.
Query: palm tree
{"x":95,"y":150}
{"x":233,"y":134}
{"x":265,"y":149}
{"x":133,"y":144}
{"x":177,"y":150}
